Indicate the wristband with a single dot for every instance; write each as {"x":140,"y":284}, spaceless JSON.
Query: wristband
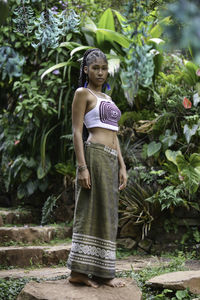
{"x":82,"y":168}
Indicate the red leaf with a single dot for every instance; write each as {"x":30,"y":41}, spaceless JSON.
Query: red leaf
{"x":187,"y":103}
{"x":16,"y":142}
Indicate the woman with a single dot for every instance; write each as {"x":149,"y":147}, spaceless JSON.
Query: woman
{"x":98,"y":177}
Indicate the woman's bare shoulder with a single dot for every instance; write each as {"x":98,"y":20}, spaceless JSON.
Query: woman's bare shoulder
{"x":81,"y":91}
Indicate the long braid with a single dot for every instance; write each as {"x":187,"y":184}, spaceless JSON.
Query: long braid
{"x":89,"y":56}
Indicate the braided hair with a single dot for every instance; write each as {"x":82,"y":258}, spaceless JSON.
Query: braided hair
{"x":89,"y":57}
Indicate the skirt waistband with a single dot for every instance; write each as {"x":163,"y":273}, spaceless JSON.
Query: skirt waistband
{"x":102,"y":147}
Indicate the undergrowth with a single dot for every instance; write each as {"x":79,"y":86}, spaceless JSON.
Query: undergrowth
{"x":10,"y":289}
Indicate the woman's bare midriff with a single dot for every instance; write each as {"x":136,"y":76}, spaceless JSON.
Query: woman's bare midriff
{"x":103,"y":136}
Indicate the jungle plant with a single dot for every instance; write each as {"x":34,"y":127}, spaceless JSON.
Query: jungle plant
{"x":48,"y":207}
{"x":24,"y":18}
{"x":133,"y":205}
{"x":168,"y":197}
{"x":10,"y":62}
{"x":188,"y":168}
{"x":52,"y":27}
{"x":139,"y":59}
{"x":183,"y":31}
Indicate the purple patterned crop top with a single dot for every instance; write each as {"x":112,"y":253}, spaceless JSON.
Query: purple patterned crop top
{"x":105,"y":114}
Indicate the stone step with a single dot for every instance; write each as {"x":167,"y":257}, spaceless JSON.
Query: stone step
{"x":63,"y":290}
{"x":34,"y":255}
{"x":40,"y":273}
{"x":136,"y":263}
{"x":133,"y":262}
{"x":17,"y":216}
{"x":33,"y":234}
{"x":177,"y":281}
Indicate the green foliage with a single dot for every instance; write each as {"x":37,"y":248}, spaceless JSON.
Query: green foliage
{"x":153,"y":148}
{"x":48,"y":207}
{"x":168,"y":197}
{"x":51,"y":27}
{"x":24,"y":19}
{"x":133,"y":204}
{"x":9,"y":289}
{"x":188,"y":168}
{"x":183,"y":31}
{"x":129,"y":117}
{"x":139,"y":61}
{"x":10,"y":62}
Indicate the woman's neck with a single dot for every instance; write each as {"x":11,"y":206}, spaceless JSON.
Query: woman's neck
{"x":97,"y":89}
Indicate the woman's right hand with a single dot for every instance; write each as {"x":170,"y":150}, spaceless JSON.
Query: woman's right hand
{"x":84,"y":179}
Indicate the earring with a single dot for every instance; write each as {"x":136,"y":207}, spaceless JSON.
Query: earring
{"x":107,"y":85}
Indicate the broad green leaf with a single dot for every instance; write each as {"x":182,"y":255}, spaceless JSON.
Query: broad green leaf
{"x":107,"y":22}
{"x":60,"y":65}
{"x":21,"y":191}
{"x":157,"y":30}
{"x":189,"y":132}
{"x":80,"y":48}
{"x":189,"y":170}
{"x":171,"y":155}
{"x":153,"y":148}
{"x":43,"y":169}
{"x":31,"y":187}
{"x":43,"y":185}
{"x":189,"y":73}
{"x":89,"y":25}
{"x":196,"y":99}
{"x":112,"y":36}
{"x":168,"y":138}
{"x":122,"y":20}
{"x":195,"y":162}
{"x":25,"y":174}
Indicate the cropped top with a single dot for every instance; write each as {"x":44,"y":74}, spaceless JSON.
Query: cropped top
{"x":105,"y":114}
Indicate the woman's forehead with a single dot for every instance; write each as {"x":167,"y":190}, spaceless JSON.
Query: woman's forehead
{"x":99,"y":61}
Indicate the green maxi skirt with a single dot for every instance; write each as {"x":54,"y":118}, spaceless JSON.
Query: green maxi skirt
{"x":95,"y":226}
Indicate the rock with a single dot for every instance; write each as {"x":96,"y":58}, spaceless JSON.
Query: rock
{"x":130,"y":230}
{"x":16,"y":216}
{"x":34,"y":255}
{"x":33,"y":234}
{"x":63,"y":290}
{"x":126,"y":243}
{"x":145,"y":244}
{"x":45,"y":273}
{"x":178,"y":281}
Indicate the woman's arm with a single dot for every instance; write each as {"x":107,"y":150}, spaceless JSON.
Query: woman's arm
{"x":122,"y":168}
{"x":79,"y":105}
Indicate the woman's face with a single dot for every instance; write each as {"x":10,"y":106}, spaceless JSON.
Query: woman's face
{"x":97,"y":72}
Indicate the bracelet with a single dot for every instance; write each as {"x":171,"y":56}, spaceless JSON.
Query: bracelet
{"x":82,"y":168}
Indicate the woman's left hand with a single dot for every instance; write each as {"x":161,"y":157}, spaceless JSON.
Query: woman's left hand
{"x":122,"y":178}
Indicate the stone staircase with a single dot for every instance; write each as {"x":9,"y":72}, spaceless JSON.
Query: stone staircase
{"x":25,"y":244}
{"x":40,"y":252}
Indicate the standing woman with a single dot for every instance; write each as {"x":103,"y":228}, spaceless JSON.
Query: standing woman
{"x":101,"y":172}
